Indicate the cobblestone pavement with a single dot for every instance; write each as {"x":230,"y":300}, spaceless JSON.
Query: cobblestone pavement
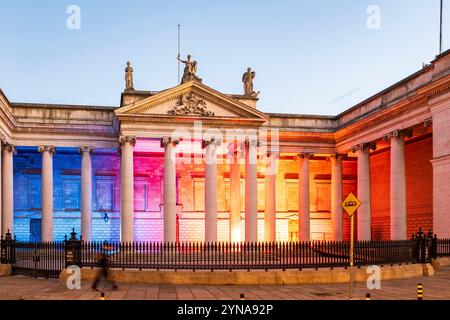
{"x":24,"y":288}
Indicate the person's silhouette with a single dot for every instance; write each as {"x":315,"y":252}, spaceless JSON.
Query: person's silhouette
{"x":103,"y":273}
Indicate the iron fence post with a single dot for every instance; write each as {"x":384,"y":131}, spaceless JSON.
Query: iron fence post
{"x":72,"y":250}
{"x":7,"y":249}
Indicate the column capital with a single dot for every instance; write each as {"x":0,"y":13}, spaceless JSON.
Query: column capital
{"x":428,"y":122}
{"x":127,"y":139}
{"x":84,"y":149}
{"x":169,"y":140}
{"x":50,"y":149}
{"x":3,"y":139}
{"x":209,"y":141}
{"x":397,"y":134}
{"x":305,"y":155}
{"x":365,"y":147}
{"x":9,"y":147}
{"x":338,"y":156}
{"x":252,"y":142}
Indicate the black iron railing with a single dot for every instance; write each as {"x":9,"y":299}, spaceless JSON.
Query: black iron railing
{"x":47,"y":259}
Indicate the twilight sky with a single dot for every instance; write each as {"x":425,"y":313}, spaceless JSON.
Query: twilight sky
{"x":310,"y":57}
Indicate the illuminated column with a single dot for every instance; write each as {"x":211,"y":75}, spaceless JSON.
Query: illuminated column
{"x":7,"y":188}
{"x":270,"y":201}
{"x":47,"y":192}
{"x":364,"y":214}
{"x":304,"y":201}
{"x":127,"y":188}
{"x":86,"y":192}
{"x":251,"y":191}
{"x":170,"y":189}
{"x":235,"y":198}
{"x":210,"y":189}
{"x":398,"y":184}
{"x":336,"y":196}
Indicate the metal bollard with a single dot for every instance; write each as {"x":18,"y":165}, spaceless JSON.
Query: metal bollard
{"x":367,"y":296}
{"x":419,"y":291}
{"x":242,"y":296}
{"x":102,"y":296}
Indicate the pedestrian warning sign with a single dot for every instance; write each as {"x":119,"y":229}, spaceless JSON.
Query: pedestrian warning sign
{"x":351,"y":204}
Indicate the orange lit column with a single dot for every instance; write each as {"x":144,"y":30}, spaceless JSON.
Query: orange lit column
{"x":210,"y":188}
{"x":170,"y":189}
{"x":235,"y":198}
{"x":304,"y":201}
{"x":336,"y":196}
{"x":8,"y":151}
{"x":251,"y":191}
{"x":398,"y":184}
{"x":86,"y":192}
{"x":270,"y":201}
{"x":127,"y":188}
{"x":364,"y":213}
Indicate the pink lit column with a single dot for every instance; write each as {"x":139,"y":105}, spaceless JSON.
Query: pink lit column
{"x":235,"y":198}
{"x":7,"y":188}
{"x":398,"y":185}
{"x":304,"y":201}
{"x":170,"y":189}
{"x":210,"y":189}
{"x":336,"y":196}
{"x":251,"y":191}
{"x":47,"y":192}
{"x":364,"y":211}
{"x":127,"y":188}
{"x":86,"y":192}
{"x":270,"y":205}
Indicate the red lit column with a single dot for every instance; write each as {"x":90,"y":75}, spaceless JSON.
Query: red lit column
{"x":251,"y":191}
{"x":210,"y":189}
{"x":235,"y":198}
{"x":170,"y":189}
{"x":364,"y":211}
{"x":270,"y":200}
{"x":304,"y":201}
{"x":127,"y":188}
{"x":336,"y":196}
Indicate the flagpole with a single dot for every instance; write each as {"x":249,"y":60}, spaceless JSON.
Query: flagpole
{"x":179,"y":52}
{"x":440,"y":33}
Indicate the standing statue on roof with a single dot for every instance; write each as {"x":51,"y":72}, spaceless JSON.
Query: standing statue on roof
{"x":190,"y":70}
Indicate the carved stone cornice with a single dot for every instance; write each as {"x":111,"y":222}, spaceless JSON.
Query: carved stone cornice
{"x":212,"y":140}
{"x":190,"y":105}
{"x":365,"y":147}
{"x":127,"y":139}
{"x":397,"y":134}
{"x":50,"y":149}
{"x":83,"y":149}
{"x":169,"y":140}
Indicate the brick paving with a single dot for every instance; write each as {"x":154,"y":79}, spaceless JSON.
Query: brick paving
{"x":24,"y":288}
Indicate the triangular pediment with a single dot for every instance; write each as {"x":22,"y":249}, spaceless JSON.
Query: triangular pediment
{"x":192,"y":99}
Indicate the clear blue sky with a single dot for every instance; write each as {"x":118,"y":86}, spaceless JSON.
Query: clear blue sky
{"x":310,"y":57}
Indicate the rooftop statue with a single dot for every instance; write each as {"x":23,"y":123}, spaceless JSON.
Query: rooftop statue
{"x":190,"y":69}
{"x":129,"y":85}
{"x":247,"y":79}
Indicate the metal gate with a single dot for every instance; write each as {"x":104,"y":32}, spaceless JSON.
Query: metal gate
{"x":39,"y":259}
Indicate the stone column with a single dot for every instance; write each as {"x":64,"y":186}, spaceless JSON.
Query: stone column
{"x":170,"y":189}
{"x":363,"y":193}
{"x":235,"y":198}
{"x":251,"y":190}
{"x":7,"y":188}
{"x":127,"y":188}
{"x":270,"y":218}
{"x":210,"y":146}
{"x":398,"y":184}
{"x":86,"y":192}
{"x":47,"y":192}
{"x":336,"y":197}
{"x":304,"y":200}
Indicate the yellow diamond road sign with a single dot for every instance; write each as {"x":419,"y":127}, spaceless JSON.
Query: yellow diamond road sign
{"x":351,"y":204}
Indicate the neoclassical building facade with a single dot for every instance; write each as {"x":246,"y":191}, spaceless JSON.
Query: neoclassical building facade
{"x":193,"y":164}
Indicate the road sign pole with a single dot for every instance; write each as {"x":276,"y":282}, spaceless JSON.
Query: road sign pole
{"x":352,"y":232}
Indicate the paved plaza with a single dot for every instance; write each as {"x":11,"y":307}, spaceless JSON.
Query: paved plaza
{"x":24,"y":288}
